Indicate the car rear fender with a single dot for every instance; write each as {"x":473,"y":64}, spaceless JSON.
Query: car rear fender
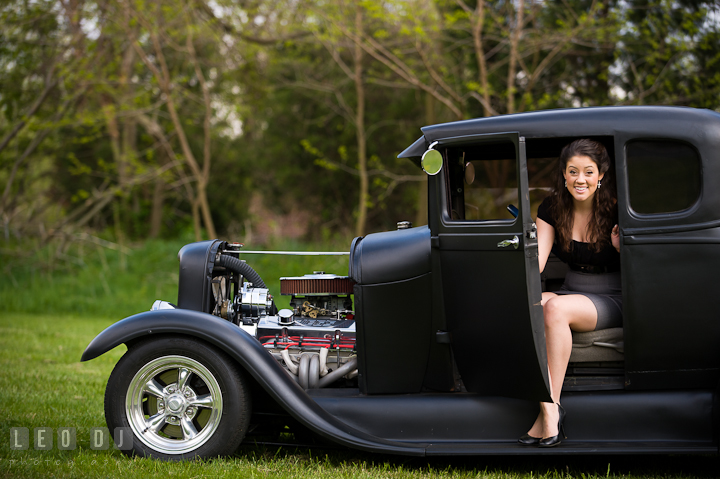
{"x":250,"y":354}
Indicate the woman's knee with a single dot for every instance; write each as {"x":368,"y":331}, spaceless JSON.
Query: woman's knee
{"x":547,"y":296}
{"x":554,"y":313}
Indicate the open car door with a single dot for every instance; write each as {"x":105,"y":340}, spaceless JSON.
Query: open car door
{"x":489,"y":266}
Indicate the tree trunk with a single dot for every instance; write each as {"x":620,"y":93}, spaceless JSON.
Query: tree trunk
{"x":479,"y":23}
{"x":205,"y":210}
{"x":200,"y":173}
{"x":360,"y":125}
{"x":156,"y":215}
{"x":197,"y":227}
{"x":120,"y":234}
{"x":512,"y":67}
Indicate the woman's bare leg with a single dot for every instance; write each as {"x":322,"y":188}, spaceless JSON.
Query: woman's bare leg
{"x":547,"y":297}
{"x":562,"y":314}
{"x":537,"y":428}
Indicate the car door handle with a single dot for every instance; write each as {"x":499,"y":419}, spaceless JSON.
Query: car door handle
{"x":505,"y":243}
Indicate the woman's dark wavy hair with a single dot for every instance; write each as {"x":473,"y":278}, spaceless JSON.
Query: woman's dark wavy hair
{"x":604,"y":200}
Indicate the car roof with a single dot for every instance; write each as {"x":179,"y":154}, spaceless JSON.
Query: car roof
{"x":650,"y":121}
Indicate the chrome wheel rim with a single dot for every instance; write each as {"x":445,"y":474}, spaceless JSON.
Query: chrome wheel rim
{"x":174,"y":404}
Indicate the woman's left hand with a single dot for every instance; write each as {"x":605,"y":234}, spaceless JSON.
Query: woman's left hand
{"x":615,"y":237}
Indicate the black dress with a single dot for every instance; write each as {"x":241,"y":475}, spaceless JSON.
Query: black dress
{"x":595,"y":275}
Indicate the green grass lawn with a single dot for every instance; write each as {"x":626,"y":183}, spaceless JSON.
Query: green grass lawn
{"x":43,"y":384}
{"x":47,"y":319}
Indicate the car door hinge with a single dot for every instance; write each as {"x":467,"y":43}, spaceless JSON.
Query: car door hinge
{"x":532,"y":232}
{"x":435,"y":242}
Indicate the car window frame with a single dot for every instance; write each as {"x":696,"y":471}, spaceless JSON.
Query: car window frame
{"x":666,"y":216}
{"x":446,"y":143}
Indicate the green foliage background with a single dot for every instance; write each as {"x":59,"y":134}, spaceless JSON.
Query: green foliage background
{"x":267,"y":102}
{"x":98,"y":193}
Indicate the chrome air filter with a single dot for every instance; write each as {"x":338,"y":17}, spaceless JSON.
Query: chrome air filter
{"x":316,"y":284}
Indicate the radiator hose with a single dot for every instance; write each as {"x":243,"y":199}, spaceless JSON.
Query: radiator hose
{"x":240,"y":267}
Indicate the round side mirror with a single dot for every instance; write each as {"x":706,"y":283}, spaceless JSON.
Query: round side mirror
{"x":431,"y":162}
{"x":469,"y":173}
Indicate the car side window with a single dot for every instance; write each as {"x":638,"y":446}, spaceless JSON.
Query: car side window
{"x":663,"y":176}
{"x":483,"y":182}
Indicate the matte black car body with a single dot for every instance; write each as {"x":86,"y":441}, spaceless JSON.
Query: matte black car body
{"x":450,"y":335}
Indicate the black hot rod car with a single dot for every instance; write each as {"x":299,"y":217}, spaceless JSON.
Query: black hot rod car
{"x":433,"y":342}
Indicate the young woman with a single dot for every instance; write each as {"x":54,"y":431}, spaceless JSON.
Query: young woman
{"x":578,"y":222}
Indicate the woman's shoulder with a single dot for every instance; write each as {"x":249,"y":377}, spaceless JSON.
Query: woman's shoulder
{"x":544,"y":211}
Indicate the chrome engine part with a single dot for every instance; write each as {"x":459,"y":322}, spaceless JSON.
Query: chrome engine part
{"x":252,"y":304}
{"x":246,"y":308}
{"x":319,"y":296}
{"x":317,"y":284}
{"x":311,"y":370}
{"x":314,"y":341}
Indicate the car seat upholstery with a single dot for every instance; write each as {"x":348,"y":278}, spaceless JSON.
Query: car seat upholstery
{"x":598,"y":346}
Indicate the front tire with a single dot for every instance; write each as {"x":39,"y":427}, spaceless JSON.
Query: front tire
{"x":180,"y":397}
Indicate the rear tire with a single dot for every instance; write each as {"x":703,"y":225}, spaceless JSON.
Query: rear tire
{"x":180,"y":397}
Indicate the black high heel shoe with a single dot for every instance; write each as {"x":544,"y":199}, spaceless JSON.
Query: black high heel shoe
{"x":528,"y":440}
{"x":555,"y":440}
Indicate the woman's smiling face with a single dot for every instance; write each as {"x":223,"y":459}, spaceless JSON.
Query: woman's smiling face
{"x":582,"y":175}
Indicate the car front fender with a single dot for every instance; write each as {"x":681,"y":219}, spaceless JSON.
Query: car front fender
{"x":251,"y":355}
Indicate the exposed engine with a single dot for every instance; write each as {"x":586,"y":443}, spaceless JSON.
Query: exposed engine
{"x":314,"y":340}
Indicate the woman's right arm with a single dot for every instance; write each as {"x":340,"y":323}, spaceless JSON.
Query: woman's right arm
{"x":546,"y":238}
